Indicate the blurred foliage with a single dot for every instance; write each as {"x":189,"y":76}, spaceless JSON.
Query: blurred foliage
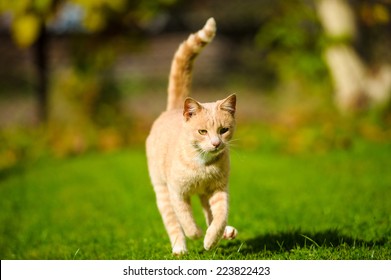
{"x":27,"y":18}
{"x":84,"y":101}
{"x":291,"y":40}
{"x":280,"y":44}
{"x":374,"y":19}
{"x":373,"y":13}
{"x":315,"y":137}
{"x":292,"y":129}
{"x":98,"y":16}
{"x":20,"y":145}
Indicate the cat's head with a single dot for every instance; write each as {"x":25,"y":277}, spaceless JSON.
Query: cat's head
{"x":210,"y":126}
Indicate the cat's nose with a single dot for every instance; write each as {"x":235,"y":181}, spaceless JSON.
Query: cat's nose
{"x":215,"y":142}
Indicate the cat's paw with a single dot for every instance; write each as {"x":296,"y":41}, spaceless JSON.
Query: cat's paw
{"x":178,"y":250}
{"x":212,"y":237}
{"x":209,"y":243}
{"x":230,"y":233}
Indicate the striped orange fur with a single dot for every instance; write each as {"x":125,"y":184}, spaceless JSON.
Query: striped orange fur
{"x":188,"y":153}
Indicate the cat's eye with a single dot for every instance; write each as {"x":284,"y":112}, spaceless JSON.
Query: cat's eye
{"x":203,"y":131}
{"x":224,"y":130}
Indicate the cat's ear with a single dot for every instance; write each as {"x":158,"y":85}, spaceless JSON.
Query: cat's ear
{"x":229,"y":104}
{"x":191,"y":108}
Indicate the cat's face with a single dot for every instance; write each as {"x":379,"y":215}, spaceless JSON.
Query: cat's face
{"x":210,"y":126}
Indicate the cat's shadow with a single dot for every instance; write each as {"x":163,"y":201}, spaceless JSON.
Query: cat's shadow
{"x":288,"y":241}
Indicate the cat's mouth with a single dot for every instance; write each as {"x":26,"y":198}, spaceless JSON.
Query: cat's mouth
{"x":208,"y":155}
{"x":215,"y":150}
{"x":211,"y":151}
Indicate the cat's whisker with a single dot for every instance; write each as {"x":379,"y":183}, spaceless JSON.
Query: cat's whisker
{"x":232,"y":143}
{"x":234,"y":140}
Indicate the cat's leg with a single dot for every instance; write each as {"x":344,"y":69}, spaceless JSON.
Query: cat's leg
{"x":229,"y":232}
{"x":184,"y":213}
{"x":218,"y":202}
{"x":206,"y":208}
{"x":171,"y":223}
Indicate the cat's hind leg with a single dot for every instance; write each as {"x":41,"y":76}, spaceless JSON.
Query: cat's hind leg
{"x":206,"y":209}
{"x":171,"y":223}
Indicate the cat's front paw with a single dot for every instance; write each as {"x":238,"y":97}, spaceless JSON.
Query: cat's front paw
{"x":178,"y":250}
{"x":209,"y":243}
{"x":230,"y":233}
{"x":212,"y":237}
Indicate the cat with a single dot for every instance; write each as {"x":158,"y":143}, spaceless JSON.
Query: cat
{"x":188,"y":153}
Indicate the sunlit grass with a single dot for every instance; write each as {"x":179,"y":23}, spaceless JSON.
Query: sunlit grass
{"x":101,"y":206}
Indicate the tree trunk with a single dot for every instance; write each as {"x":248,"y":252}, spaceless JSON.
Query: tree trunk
{"x":41,"y":64}
{"x":356,"y":86}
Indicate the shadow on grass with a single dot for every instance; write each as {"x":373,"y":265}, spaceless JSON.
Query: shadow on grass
{"x":287,"y":241}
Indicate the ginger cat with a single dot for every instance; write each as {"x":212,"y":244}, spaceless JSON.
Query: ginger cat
{"x":188,"y":153}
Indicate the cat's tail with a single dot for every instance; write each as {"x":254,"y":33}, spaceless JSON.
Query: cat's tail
{"x":182,"y":64}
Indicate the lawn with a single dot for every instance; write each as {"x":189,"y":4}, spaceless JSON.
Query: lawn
{"x":333,"y":205}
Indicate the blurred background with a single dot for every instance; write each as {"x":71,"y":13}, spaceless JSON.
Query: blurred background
{"x":91,"y":75}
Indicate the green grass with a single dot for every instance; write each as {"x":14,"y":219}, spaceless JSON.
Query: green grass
{"x":101,"y":206}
